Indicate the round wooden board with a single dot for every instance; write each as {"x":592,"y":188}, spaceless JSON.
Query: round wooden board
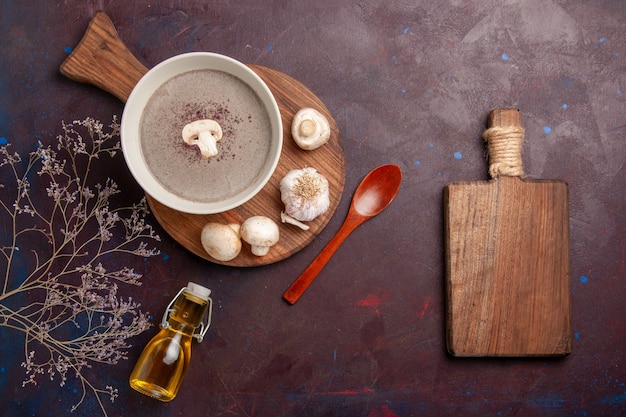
{"x":329,"y":160}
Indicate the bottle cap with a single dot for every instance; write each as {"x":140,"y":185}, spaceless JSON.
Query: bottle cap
{"x":198,"y":290}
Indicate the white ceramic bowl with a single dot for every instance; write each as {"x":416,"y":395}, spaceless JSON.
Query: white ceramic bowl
{"x":131,"y":127}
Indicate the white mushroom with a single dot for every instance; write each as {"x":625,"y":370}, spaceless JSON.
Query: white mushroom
{"x":221,"y":241}
{"x":261,"y":233}
{"x":305,"y":194}
{"x":204,"y":134}
{"x":310,"y":129}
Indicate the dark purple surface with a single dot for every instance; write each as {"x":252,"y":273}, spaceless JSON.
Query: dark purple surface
{"x":408,"y":83}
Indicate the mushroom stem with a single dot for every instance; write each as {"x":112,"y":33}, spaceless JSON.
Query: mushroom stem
{"x":310,"y":129}
{"x":207,"y":144}
{"x":307,"y":127}
{"x":259,"y":250}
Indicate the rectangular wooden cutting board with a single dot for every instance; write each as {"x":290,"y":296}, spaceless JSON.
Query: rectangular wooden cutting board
{"x":507,"y":256}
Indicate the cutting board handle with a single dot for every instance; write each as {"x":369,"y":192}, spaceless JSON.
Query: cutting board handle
{"x":504,"y":137}
{"x":102,"y":59}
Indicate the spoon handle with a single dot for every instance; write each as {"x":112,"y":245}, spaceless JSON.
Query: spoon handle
{"x":299,"y":286}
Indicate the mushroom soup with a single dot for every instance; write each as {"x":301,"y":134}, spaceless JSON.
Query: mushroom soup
{"x":242,"y":151}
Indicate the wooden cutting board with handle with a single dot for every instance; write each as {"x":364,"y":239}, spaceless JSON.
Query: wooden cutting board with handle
{"x":507,"y":256}
{"x":102,"y":59}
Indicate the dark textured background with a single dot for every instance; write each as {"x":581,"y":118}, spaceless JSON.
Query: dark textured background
{"x":410,"y":83}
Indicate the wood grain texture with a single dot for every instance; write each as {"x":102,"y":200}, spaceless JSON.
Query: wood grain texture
{"x":507,"y":266}
{"x":329,"y":160}
{"x":102,"y":59}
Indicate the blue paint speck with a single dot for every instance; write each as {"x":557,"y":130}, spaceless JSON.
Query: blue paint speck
{"x":417,"y":163}
{"x":505,"y":57}
{"x":576,"y":335}
{"x":565,"y":106}
{"x":547,"y":130}
{"x":3,"y":140}
{"x":393,"y":58}
{"x":468,"y":393}
{"x":430,"y":145}
{"x":615,"y":400}
{"x":68,"y":49}
{"x":458,"y":155}
{"x":406,"y":30}
{"x":269,"y":47}
{"x":403,"y":91}
{"x":549,"y":402}
{"x":166,"y":257}
{"x":584,"y":279}
{"x":602,"y":39}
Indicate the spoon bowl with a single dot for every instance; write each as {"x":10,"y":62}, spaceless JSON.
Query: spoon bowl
{"x":372,"y":196}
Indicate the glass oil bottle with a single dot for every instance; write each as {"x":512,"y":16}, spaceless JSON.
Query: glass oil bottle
{"x":162,"y":365}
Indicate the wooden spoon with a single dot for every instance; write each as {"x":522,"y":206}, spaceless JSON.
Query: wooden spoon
{"x":371,"y":197}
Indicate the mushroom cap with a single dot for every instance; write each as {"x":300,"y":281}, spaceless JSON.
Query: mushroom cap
{"x":310,"y":129}
{"x":221,"y":241}
{"x":204,"y":134}
{"x":193,"y":129}
{"x":261,"y":233}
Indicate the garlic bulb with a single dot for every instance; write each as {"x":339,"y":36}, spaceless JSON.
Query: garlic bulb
{"x":305,"y":194}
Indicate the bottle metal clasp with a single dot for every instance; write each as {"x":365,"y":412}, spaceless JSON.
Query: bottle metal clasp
{"x":201,"y":330}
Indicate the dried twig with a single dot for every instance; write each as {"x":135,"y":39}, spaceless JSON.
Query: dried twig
{"x":74,"y":317}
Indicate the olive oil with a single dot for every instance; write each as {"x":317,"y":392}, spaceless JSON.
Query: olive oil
{"x":162,"y":365}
